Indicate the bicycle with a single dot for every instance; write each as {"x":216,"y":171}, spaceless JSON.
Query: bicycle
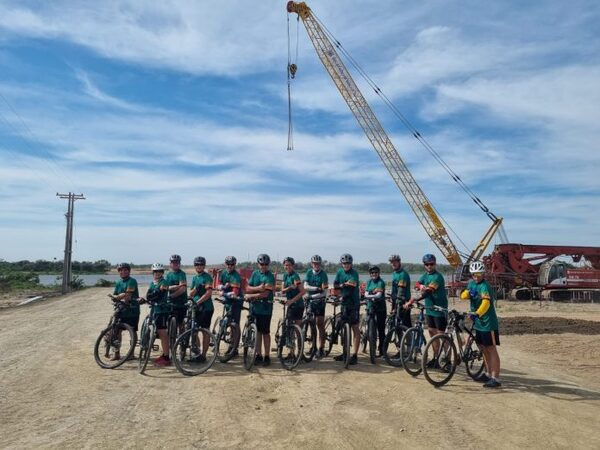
{"x":249,"y":338}
{"x":394,"y":332}
{"x":226,"y":330}
{"x":309,"y":332}
{"x":116,"y":336}
{"x":335,"y":328}
{"x":368,"y":332}
{"x":191,"y":353}
{"x":413,"y":343}
{"x":289,"y":340}
{"x":147,"y":338}
{"x":445,"y":357}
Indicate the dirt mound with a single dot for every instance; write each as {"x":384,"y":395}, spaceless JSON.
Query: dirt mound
{"x":547,"y":325}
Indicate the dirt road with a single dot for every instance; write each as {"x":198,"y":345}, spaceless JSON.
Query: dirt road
{"x":52,"y":394}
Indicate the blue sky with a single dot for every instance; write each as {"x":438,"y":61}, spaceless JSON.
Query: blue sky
{"x":172,"y":119}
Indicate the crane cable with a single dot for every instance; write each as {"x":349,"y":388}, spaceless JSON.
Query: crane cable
{"x":416,"y":134}
{"x":291,"y":73}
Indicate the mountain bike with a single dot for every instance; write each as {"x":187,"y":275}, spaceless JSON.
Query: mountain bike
{"x":394,"y":332}
{"x":289,"y":340}
{"x":249,"y":338}
{"x":227,"y":334}
{"x":441,"y":356}
{"x":337,"y":328}
{"x":413,"y":343}
{"x":195,"y":350}
{"x":147,"y":337}
{"x":115,"y":337}
{"x":309,"y":332}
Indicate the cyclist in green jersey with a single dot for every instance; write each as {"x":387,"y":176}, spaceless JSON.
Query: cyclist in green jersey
{"x":485,"y":322}
{"x":201,"y":295}
{"x":346,"y":285}
{"x":158,"y":292}
{"x":400,"y":289}
{"x":375,"y":295}
{"x":230,"y":285}
{"x":177,"y":282}
{"x":316,"y":284}
{"x":261,"y":286}
{"x":293,"y":290}
{"x":126,"y":291}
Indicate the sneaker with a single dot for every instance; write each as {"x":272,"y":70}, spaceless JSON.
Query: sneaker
{"x":339,"y":357}
{"x":116,"y":357}
{"x":353,"y":360}
{"x":267,"y":361}
{"x":162,"y":361}
{"x":321,"y":353}
{"x":198,"y":359}
{"x":483,"y":378}
{"x":258,"y":359}
{"x":493,"y":383}
{"x":235,"y":352}
{"x":433,"y":364}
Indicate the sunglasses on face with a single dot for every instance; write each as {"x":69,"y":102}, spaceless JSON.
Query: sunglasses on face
{"x":429,"y":264}
{"x":262,"y":264}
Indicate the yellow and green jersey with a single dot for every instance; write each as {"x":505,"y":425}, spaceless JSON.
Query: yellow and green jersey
{"x":177,"y":277}
{"x":437,"y":294}
{"x":317,"y":279}
{"x":351,"y":291}
{"x":202,"y":282}
{"x":292,"y":280}
{"x":374,"y":287}
{"x":400,"y":286}
{"x":488,"y":321}
{"x":130,"y":286}
{"x":160,"y":288}
{"x":264,"y":306}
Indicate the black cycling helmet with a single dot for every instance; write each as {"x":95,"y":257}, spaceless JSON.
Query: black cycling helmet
{"x":230,"y":260}
{"x":346,"y":258}
{"x":263,"y":258}
{"x":374,"y":269}
{"x":175,"y":258}
{"x":123,"y":266}
{"x":394,"y":257}
{"x":290,"y":260}
{"x":199,"y":261}
{"x":316,"y":259}
{"x":428,"y":258}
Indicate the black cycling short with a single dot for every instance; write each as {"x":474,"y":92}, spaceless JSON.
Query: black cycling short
{"x":203,"y":318}
{"x":180,"y":312}
{"x":295,"y":313}
{"x":236,"y":311}
{"x":162,"y":321}
{"x":487,"y":338}
{"x":133,"y":321}
{"x":405,"y":317}
{"x":263,"y":323}
{"x":350,"y":315}
{"x":318,"y":307}
{"x":439,"y":322}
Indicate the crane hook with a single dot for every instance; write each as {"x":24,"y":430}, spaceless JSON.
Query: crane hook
{"x":292,"y":68}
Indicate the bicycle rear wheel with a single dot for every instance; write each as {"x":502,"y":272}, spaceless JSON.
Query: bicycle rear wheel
{"x":363,"y":329}
{"x":392,"y":347}
{"x":412,"y":346}
{"x":195,"y":351}
{"x":115,"y":340}
{"x":227,"y":341}
{"x":330,"y":335}
{"x":473,"y":358}
{"x":289,"y":348}
{"x":439,"y":360}
{"x":309,"y":334}
{"x":172,"y":333}
{"x":250,"y":345}
{"x":346,"y":339}
{"x":372,"y":339}
{"x":146,"y":344}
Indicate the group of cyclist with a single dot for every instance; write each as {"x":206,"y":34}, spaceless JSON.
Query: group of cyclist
{"x":168,"y":295}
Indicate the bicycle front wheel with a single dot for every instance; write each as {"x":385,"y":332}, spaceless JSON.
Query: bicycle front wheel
{"x":289,"y":349}
{"x":309,"y":334}
{"x":392,"y":347}
{"x":372,"y":339}
{"x":439,"y":360}
{"x":330,"y":334}
{"x":227,"y":341}
{"x":146,"y":344}
{"x":346,"y":339}
{"x":172,"y":333}
{"x":114,"y":345}
{"x":473,"y":358}
{"x":250,"y":345}
{"x":195,"y":351}
{"x":412,"y":346}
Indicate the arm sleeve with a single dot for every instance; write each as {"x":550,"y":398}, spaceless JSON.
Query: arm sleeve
{"x":483,"y":308}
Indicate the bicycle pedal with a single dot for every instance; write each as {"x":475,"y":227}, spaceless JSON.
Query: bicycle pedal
{"x":155,"y":348}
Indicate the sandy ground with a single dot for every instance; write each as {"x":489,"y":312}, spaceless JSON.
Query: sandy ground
{"x":53,"y":395}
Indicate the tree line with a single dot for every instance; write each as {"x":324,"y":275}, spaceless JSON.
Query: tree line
{"x":54,"y":267}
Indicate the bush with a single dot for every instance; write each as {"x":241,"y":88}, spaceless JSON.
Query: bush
{"x":104,"y":283}
{"x":19,"y":280}
{"x":77,"y":283}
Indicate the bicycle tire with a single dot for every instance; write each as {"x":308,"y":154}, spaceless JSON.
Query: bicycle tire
{"x":363,"y":329}
{"x":392,"y":353}
{"x":291,"y":340}
{"x":186,"y":362}
{"x":104,"y":341}
{"x":412,"y":346}
{"x":346,"y":338}
{"x":473,"y":358}
{"x":372,"y":339}
{"x":309,"y":336}
{"x":150,"y":335}
{"x":250,"y":345}
{"x":172,"y":333}
{"x":444,"y":360}
{"x":330,"y":334}
{"x":229,"y":337}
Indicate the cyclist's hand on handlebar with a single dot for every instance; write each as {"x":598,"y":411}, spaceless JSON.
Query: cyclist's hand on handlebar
{"x":473,"y":316}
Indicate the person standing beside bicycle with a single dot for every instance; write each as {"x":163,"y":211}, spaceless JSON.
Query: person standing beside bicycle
{"x":485,"y":323}
{"x":177,"y":282}
{"x":375,"y":295}
{"x":346,"y":285}
{"x":400,"y":289}
{"x":158,"y":295}
{"x":201,"y":294}
{"x":293,"y":290}
{"x":260,"y":292}
{"x":316,"y":284}
{"x":126,"y":291}
{"x":230,"y":284}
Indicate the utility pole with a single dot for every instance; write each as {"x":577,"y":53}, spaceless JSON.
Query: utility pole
{"x":66,"y":278}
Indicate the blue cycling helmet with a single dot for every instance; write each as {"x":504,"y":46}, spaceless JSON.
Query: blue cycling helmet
{"x":429,"y":258}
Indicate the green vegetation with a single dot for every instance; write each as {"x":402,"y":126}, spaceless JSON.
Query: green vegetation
{"x":54,"y":267}
{"x":18,"y":280}
{"x":104,"y":283}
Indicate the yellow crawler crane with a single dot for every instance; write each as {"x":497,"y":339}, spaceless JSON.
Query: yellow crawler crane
{"x":384,"y":147}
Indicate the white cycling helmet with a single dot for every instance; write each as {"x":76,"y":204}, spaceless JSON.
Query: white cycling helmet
{"x":476,"y":267}
{"x":158,"y":267}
